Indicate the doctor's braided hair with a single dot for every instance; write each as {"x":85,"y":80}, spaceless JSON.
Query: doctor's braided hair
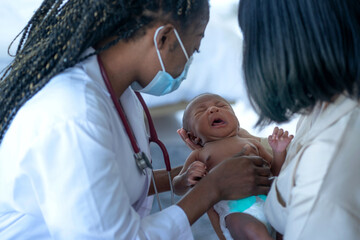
{"x":59,"y":32}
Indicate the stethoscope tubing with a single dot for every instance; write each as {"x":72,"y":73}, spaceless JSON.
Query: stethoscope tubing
{"x":154,"y":138}
{"x":153,"y":135}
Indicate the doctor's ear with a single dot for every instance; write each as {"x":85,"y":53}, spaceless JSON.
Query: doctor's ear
{"x":164,"y":35}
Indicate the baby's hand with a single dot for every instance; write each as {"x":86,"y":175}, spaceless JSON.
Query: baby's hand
{"x":194,"y":173}
{"x":279,"y":140}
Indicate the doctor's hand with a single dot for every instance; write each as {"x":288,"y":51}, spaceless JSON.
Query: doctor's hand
{"x":241,"y":176}
{"x":237,"y":177}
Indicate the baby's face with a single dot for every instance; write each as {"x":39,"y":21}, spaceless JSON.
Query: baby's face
{"x":210,"y":117}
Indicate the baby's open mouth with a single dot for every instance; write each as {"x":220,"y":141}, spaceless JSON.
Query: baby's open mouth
{"x":217,"y":122}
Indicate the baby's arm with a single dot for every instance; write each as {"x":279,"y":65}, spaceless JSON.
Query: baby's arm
{"x":192,"y":171}
{"x":279,"y":141}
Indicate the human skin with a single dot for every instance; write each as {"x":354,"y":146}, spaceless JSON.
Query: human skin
{"x":136,"y":60}
{"x":211,"y":123}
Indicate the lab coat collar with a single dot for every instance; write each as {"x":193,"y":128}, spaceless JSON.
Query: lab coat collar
{"x":91,"y":67}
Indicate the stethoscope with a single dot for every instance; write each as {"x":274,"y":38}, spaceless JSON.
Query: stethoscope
{"x":141,"y":159}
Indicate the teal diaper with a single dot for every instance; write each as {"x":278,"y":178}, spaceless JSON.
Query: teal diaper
{"x":241,"y":205}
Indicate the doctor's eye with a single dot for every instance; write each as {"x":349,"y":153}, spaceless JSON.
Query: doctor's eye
{"x":197,"y":50}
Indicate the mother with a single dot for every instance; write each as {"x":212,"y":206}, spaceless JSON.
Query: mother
{"x":303,"y":56}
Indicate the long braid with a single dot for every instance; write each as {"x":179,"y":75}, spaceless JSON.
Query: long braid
{"x":60,"y":31}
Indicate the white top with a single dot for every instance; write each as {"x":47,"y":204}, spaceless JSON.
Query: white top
{"x":316,"y":195}
{"x":67,"y":169}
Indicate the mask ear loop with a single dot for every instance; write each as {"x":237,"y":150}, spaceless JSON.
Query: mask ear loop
{"x":157,"y":49}
{"x":181,"y":44}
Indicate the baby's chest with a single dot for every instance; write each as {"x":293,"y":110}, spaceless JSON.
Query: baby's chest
{"x":215,"y":153}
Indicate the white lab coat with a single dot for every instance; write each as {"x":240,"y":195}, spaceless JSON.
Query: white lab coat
{"x":67,"y":169}
{"x":316,"y":195}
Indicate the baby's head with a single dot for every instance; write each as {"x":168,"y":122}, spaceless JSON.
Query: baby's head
{"x":209,"y":117}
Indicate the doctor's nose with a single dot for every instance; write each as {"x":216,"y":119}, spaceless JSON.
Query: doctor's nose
{"x":213,"y":109}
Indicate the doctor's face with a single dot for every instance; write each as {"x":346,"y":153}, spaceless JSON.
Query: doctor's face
{"x":191,"y":39}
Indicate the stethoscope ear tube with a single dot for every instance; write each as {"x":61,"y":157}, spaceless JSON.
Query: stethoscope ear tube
{"x":154,"y":138}
{"x":140,"y":157}
{"x":153,"y":135}
{"x":155,"y":189}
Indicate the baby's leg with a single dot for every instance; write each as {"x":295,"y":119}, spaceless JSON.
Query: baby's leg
{"x":245,"y":227}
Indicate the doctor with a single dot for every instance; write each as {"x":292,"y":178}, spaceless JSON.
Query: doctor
{"x":67,"y":167}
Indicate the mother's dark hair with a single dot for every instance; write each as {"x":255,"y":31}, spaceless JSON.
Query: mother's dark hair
{"x":298,"y":53}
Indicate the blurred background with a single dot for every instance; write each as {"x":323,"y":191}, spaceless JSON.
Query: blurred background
{"x":216,"y":69}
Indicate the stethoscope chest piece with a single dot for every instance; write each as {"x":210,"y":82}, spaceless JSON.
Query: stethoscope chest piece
{"x":142,"y":161}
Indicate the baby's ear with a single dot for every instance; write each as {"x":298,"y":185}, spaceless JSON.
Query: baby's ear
{"x":194,"y":139}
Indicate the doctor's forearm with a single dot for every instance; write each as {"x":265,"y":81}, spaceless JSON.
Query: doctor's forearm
{"x":162,"y":180}
{"x":199,"y":200}
{"x":245,"y":176}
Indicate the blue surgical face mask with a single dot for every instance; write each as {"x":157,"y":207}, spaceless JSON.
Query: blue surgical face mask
{"x":163,"y":83}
